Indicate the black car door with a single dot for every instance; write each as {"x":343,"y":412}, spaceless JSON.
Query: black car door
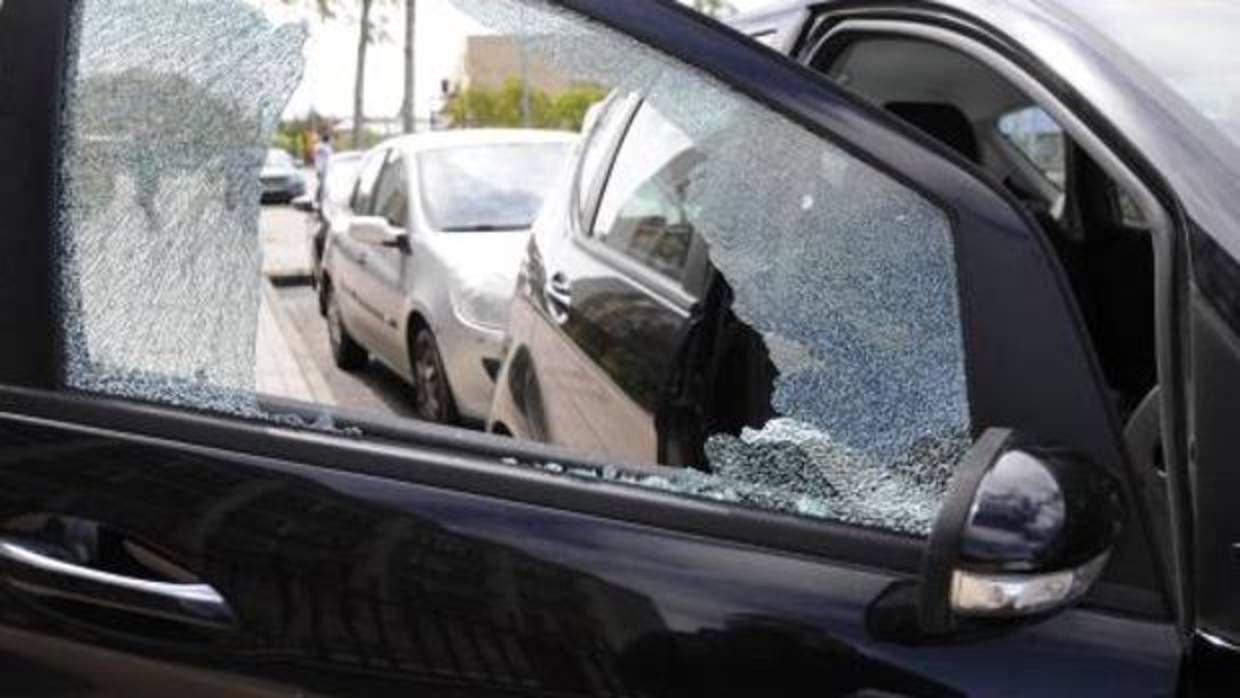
{"x":165,"y":528}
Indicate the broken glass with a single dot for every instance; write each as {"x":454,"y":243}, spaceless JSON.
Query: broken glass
{"x":848,"y":276}
{"x":170,"y":107}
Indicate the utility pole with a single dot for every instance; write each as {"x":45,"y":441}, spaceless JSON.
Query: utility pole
{"x":526,"y":117}
{"x":359,"y":89}
{"x":410,"y":110}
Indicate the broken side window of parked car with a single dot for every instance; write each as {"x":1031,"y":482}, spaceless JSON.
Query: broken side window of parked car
{"x":848,"y":292}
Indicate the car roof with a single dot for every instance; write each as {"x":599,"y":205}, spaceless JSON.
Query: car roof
{"x":774,"y":9}
{"x":779,"y":7}
{"x":1196,"y":159}
{"x":460,"y":138}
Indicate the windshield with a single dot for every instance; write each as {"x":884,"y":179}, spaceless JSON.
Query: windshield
{"x":488,"y":187}
{"x":278,"y":159}
{"x":1190,"y":44}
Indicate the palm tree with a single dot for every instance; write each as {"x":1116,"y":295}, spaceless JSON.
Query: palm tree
{"x":366,"y":35}
{"x":364,"y":39}
{"x":409,"y":110}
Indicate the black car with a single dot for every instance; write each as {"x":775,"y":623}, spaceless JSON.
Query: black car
{"x":900,"y":361}
{"x":326,"y":206}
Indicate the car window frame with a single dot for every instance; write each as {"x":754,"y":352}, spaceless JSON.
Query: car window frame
{"x":686,"y":273}
{"x":860,"y":25}
{"x":471,"y":463}
{"x":1013,"y":148}
{"x":584,"y":204}
{"x":394,"y":165}
{"x":380,"y":155}
{"x":680,"y":295}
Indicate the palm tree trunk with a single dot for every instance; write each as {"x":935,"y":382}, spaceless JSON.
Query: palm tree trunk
{"x":359,"y":89}
{"x":411,"y":80}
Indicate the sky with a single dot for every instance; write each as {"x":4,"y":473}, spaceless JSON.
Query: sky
{"x":331,"y":52}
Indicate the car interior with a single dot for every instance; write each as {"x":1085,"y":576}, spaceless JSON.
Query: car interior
{"x":1102,"y":238}
{"x":1099,"y":233}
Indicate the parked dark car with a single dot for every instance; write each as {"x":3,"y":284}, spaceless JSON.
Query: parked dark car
{"x":853,"y":375}
{"x":327,"y":206}
{"x":281,"y":178}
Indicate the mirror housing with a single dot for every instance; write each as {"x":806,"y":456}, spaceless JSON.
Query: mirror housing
{"x":1023,"y":533}
{"x":306,"y":204}
{"x":375,"y":230}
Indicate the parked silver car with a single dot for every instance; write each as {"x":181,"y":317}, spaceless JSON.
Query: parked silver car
{"x":419,"y":273}
{"x":282,"y":179}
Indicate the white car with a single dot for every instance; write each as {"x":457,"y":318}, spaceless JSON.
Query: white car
{"x":281,"y":179}
{"x":419,"y":272}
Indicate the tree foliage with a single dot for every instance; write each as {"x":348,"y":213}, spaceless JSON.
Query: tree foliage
{"x":370,"y":30}
{"x":479,"y":107}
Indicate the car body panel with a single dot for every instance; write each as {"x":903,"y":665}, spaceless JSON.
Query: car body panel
{"x":359,"y":582}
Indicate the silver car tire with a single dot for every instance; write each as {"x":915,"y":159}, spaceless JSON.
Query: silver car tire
{"x":346,"y":352}
{"x":432,"y":395}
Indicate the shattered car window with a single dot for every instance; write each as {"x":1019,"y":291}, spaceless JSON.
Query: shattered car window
{"x":191,"y":278}
{"x":170,"y":110}
{"x":847,"y":276}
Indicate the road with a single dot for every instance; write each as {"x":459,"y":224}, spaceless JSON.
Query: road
{"x":294,"y":358}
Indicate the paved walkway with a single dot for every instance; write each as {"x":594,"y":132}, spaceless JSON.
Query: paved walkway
{"x":284,"y":366}
{"x":285,"y":235}
{"x":276,"y":369}
{"x":293,"y":359}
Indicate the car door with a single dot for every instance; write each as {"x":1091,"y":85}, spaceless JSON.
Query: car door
{"x":165,"y":529}
{"x":352,"y":276}
{"x":383,"y":289}
{"x":621,"y":298}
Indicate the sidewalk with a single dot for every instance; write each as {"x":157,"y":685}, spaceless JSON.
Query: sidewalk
{"x":276,"y":370}
{"x":285,"y":234}
{"x":284,"y":366}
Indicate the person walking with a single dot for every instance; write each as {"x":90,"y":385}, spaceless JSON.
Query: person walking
{"x":322,"y":160}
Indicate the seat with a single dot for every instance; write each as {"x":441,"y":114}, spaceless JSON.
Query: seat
{"x":944,"y":122}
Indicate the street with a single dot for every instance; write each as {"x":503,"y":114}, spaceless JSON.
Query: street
{"x":293,"y":357}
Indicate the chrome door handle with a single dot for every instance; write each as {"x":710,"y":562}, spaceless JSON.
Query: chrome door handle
{"x":559,"y":293}
{"x":41,"y":575}
{"x":559,"y":287}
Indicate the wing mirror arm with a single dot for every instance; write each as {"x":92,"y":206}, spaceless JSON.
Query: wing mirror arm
{"x":1023,"y":534}
{"x":305,"y":204}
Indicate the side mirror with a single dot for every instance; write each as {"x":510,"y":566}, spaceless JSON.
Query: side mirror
{"x":374,"y":230}
{"x":305,"y":204}
{"x":1023,"y":534}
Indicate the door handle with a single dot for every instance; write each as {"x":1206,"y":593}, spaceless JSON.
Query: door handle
{"x":33,"y":572}
{"x":559,"y":292}
{"x":559,"y":285}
